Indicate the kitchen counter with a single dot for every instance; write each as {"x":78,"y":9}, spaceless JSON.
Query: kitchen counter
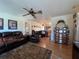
{"x":75,"y":50}
{"x":76,"y":45}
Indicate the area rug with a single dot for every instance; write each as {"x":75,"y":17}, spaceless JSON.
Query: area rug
{"x":27,"y":51}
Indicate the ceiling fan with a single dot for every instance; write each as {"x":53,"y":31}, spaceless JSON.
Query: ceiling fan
{"x":32,"y":12}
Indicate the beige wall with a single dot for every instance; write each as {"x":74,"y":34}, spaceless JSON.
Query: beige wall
{"x":20,"y":22}
{"x":77,"y":31}
{"x":69,"y":21}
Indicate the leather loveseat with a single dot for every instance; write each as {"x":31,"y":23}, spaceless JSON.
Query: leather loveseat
{"x":11,"y":40}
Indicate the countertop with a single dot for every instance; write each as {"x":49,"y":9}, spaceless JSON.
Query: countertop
{"x":76,"y":45}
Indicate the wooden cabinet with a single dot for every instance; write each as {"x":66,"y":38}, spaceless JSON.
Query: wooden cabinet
{"x":61,"y":32}
{"x":61,"y":35}
{"x":75,"y":51}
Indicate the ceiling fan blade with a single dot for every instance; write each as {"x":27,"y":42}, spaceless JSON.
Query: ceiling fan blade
{"x":40,"y":12}
{"x":26,"y":14}
{"x":33,"y":15}
{"x":26,"y":9}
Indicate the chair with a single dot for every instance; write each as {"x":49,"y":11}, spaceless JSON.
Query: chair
{"x":34,"y":38}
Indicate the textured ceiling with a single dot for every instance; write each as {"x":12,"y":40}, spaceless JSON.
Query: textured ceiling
{"x":49,"y":7}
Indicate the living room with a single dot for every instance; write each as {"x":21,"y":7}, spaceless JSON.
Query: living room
{"x":36,"y":29}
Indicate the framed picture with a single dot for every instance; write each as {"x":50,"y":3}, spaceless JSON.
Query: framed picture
{"x":1,"y":23}
{"x":12,"y":24}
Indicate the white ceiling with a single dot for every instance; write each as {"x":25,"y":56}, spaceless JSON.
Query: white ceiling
{"x":49,"y":7}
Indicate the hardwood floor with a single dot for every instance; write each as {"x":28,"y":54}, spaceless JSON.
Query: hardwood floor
{"x":58,"y":51}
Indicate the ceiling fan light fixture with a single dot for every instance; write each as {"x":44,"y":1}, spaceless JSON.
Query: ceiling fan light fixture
{"x":32,"y":12}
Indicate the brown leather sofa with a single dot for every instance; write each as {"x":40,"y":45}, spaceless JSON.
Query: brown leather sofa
{"x":11,"y":40}
{"x":1,"y":40}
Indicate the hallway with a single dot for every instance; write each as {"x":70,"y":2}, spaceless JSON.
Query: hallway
{"x":58,"y":51}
